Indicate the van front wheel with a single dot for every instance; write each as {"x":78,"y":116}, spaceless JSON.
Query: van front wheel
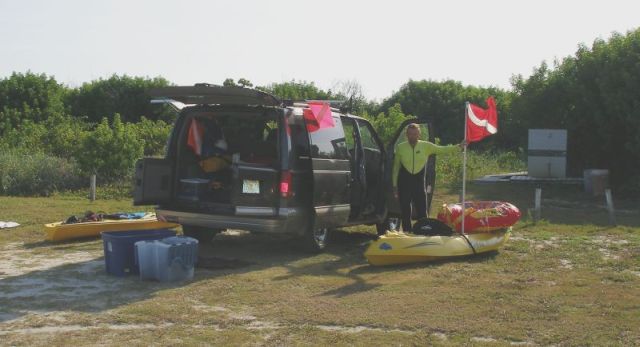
{"x":389,"y":224}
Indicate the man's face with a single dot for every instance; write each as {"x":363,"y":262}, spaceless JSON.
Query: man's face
{"x":413,"y":135}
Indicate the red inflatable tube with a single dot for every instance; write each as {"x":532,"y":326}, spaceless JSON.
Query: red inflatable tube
{"x":480,"y":216}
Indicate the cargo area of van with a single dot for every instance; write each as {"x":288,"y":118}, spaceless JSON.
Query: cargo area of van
{"x":228,"y":159}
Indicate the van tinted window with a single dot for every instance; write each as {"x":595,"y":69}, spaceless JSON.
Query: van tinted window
{"x":367,"y":137}
{"x":329,"y":143}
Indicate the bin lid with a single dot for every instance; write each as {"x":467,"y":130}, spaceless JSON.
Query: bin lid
{"x":126,"y":234}
{"x":178,"y":240}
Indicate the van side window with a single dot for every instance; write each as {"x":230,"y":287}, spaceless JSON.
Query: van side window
{"x":367,"y":137}
{"x":350,"y":135}
{"x":330,"y":142}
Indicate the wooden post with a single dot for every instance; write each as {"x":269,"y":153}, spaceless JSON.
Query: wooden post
{"x":612,"y":212}
{"x":538,"y":199}
{"x":92,"y":192}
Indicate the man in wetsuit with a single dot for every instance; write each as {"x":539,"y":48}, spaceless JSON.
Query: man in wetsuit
{"x":409,"y":166}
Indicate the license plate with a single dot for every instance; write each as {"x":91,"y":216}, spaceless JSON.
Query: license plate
{"x":251,"y":186}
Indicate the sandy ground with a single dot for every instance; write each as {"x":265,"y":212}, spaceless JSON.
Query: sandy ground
{"x":45,"y":288}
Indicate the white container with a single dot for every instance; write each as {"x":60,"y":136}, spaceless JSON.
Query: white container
{"x":167,"y":260}
{"x":547,"y":153}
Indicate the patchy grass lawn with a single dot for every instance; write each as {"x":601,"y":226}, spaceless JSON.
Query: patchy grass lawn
{"x":569,"y":279}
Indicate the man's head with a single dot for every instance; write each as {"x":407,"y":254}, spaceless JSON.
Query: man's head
{"x":413,"y":133}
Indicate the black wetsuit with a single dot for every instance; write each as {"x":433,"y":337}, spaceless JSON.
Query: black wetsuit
{"x":412,"y":190}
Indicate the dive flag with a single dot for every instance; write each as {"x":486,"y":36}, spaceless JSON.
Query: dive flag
{"x":318,"y":116}
{"x":480,"y":122}
{"x":194,"y":138}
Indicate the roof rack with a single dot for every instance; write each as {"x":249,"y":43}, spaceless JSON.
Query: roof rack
{"x":334,"y":104}
{"x":205,"y":93}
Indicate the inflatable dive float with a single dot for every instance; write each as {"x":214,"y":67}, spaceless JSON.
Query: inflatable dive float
{"x":479,"y":216}
{"x":401,"y":248}
{"x":61,"y":231}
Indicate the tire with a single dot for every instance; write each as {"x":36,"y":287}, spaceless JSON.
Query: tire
{"x":202,"y":234}
{"x":315,"y":240}
{"x":387,"y":225}
{"x":381,"y":228}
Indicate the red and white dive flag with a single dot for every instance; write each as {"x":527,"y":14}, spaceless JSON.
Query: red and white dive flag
{"x":480,"y":122}
{"x":318,"y":116}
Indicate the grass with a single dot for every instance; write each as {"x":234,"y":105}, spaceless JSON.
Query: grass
{"x":567,"y":280}
{"x":449,"y":169}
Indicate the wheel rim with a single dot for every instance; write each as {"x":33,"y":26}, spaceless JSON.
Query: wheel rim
{"x":393,"y":224}
{"x":320,"y":236}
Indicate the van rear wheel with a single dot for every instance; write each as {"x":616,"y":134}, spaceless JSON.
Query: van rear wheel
{"x":202,"y":234}
{"x":316,"y":239}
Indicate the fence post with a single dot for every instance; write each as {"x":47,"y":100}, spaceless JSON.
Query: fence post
{"x":538,"y":199}
{"x":612,"y":212}
{"x":92,"y":192}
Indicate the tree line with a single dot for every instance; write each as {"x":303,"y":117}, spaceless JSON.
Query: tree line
{"x":594,"y":94}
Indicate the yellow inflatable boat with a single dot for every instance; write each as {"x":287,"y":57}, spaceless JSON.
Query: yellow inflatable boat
{"x":60,"y":231}
{"x":400,"y":248}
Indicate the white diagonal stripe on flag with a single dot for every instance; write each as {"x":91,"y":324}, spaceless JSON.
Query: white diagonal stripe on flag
{"x":480,"y":122}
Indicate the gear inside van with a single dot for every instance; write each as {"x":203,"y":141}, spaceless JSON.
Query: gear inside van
{"x":216,"y":145}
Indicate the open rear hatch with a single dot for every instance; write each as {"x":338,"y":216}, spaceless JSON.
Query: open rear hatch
{"x":223,"y":155}
{"x":228,"y":160}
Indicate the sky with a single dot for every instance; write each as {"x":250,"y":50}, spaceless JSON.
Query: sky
{"x":378,"y":44}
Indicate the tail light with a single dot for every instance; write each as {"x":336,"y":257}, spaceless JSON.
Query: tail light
{"x":285,"y":184}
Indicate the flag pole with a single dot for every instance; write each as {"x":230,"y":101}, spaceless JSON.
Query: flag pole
{"x":464,"y":163}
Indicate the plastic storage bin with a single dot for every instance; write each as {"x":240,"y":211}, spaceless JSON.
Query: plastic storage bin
{"x":167,"y":260}
{"x":119,"y":248}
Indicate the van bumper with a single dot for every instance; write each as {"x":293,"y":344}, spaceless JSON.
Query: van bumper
{"x":288,"y":220}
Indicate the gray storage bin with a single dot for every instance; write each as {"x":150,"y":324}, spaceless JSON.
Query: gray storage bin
{"x":167,"y":260}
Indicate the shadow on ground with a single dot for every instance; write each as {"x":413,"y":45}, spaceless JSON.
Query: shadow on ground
{"x":71,"y":276}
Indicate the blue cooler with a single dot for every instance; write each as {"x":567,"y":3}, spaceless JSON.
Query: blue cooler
{"x":119,"y":248}
{"x":167,"y":260}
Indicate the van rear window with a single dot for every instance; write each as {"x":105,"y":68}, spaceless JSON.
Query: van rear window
{"x":242,"y":136}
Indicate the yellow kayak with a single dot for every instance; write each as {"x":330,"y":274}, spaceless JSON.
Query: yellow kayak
{"x":60,"y":231}
{"x":401,"y":248}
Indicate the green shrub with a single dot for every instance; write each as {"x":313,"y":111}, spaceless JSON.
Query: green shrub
{"x":60,"y":136}
{"x":449,"y":168}
{"x":386,"y":125}
{"x":125,"y":95}
{"x":28,"y":135}
{"x":36,"y":174}
{"x":110,"y":152}
{"x":64,"y":136}
{"x":29,"y":97}
{"x":154,"y":134}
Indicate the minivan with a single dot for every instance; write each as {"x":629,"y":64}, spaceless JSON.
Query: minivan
{"x":240,"y":158}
